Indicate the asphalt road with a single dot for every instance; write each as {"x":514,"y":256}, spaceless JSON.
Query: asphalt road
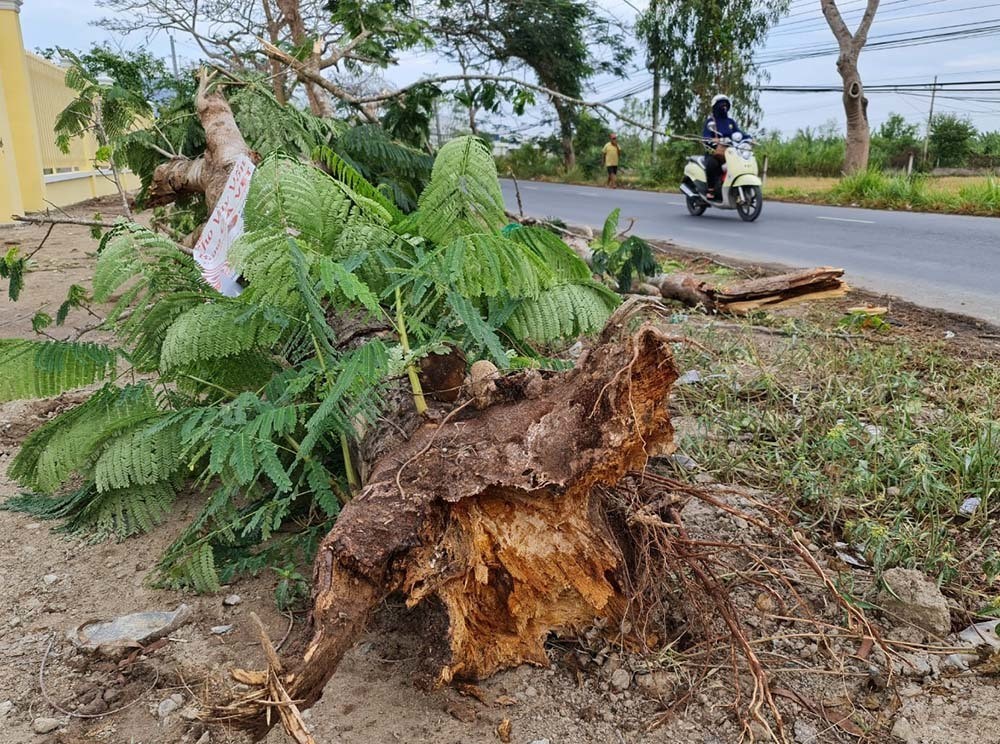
{"x":949,"y":262}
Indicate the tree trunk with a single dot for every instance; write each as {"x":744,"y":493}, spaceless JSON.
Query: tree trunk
{"x":224,"y":145}
{"x":656,"y":108}
{"x":855,"y":104}
{"x":278,"y":71}
{"x":319,"y":101}
{"x":566,"y":121}
{"x":856,"y":108}
{"x":501,"y":516}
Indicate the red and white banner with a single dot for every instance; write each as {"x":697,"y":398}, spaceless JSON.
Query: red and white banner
{"x":223,"y":227}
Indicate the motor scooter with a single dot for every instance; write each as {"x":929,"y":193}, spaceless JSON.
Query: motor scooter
{"x":742,"y":188}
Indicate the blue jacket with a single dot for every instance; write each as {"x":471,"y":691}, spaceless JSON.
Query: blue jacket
{"x":719,"y":127}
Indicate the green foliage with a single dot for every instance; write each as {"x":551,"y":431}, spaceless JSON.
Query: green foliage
{"x":261,"y":405}
{"x":463,"y":195}
{"x":622,"y":259}
{"x":952,"y":139}
{"x":41,"y":369}
{"x":12,"y":267}
{"x":703,"y":47}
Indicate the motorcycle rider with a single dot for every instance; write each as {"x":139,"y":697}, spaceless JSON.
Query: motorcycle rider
{"x":718,"y":126}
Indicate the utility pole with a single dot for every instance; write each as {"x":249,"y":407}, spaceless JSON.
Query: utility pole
{"x":173,"y":56}
{"x":930,"y":120}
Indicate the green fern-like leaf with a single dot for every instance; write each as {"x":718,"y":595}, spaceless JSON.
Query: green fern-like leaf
{"x":563,"y":311}
{"x":214,"y":331}
{"x":490,"y":265}
{"x":115,"y":514}
{"x":562,"y":261}
{"x":41,"y":369}
{"x":70,"y":442}
{"x":194,"y":569}
{"x":140,"y":457}
{"x":290,"y":196}
{"x":463,"y":196}
{"x":350,"y":177}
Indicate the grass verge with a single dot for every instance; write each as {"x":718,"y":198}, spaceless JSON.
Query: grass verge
{"x":890,"y":445}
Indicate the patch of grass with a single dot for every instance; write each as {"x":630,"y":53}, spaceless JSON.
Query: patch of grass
{"x":877,"y":444}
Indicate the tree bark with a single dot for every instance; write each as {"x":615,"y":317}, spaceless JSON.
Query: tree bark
{"x":501,"y":516}
{"x":739,"y":298}
{"x":319,"y":102}
{"x":224,"y":145}
{"x":566,"y":120}
{"x":858,"y":140}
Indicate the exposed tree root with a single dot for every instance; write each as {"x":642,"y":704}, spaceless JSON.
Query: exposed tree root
{"x":497,"y":515}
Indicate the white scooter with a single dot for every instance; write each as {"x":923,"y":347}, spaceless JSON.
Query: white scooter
{"x":741,"y":186}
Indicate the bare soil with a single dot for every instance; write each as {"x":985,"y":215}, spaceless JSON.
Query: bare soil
{"x":383,"y":690}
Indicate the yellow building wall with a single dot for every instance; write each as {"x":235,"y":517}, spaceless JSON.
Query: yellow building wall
{"x":19,"y":107}
{"x":34,"y":172}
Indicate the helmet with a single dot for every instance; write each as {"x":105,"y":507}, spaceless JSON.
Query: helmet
{"x":721,"y":97}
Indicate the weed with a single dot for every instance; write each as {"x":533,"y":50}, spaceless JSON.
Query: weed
{"x":879,"y":445}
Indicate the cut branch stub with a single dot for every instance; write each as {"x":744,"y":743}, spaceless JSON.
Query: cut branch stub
{"x":498,"y":515}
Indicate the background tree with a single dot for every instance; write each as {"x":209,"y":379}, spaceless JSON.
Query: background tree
{"x":952,"y":140}
{"x":563,"y":42}
{"x":703,"y":47}
{"x":113,"y":92}
{"x":651,"y":28}
{"x":855,"y":104}
{"x":339,"y":37}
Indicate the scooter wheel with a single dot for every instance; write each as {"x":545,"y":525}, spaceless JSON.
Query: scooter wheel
{"x":696,"y":206}
{"x":750,"y":207}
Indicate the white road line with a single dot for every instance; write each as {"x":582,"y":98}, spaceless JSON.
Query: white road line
{"x":844,"y":219}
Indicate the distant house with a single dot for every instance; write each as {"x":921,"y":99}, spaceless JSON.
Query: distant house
{"x":504,"y":145}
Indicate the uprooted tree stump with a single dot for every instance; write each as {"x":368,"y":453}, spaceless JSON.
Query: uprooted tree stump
{"x":497,"y":513}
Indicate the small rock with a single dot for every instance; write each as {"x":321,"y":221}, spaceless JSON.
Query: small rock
{"x":177,"y":698}
{"x":689,"y":378}
{"x":190,"y":713}
{"x":14,"y":622}
{"x":621,"y":679}
{"x":221,"y":629}
{"x":126,"y":631}
{"x":232,"y":600}
{"x":167,"y":707}
{"x":969,"y":506}
{"x":892,"y":491}
{"x":679,"y":458}
{"x":659,"y":684}
{"x":95,"y":707}
{"x":45,"y":725}
{"x":6,"y":707}
{"x":531,"y":692}
{"x":111,"y":694}
{"x":50,"y":579}
{"x":911,"y":598}
{"x":204,"y":739}
{"x":36,"y":526}
{"x":540,"y":741}
{"x":805,"y":732}
{"x":958,"y":663}
{"x":981,"y":634}
{"x":902,"y":729}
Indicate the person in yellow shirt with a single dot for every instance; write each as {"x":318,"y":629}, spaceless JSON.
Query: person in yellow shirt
{"x":610,"y":156}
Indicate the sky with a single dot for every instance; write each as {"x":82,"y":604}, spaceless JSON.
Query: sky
{"x":68,"y":23}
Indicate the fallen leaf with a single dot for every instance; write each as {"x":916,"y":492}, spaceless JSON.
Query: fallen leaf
{"x":504,"y":730}
{"x":505,"y":700}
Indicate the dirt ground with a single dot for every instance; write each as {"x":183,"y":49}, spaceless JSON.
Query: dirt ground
{"x":383,"y":691}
